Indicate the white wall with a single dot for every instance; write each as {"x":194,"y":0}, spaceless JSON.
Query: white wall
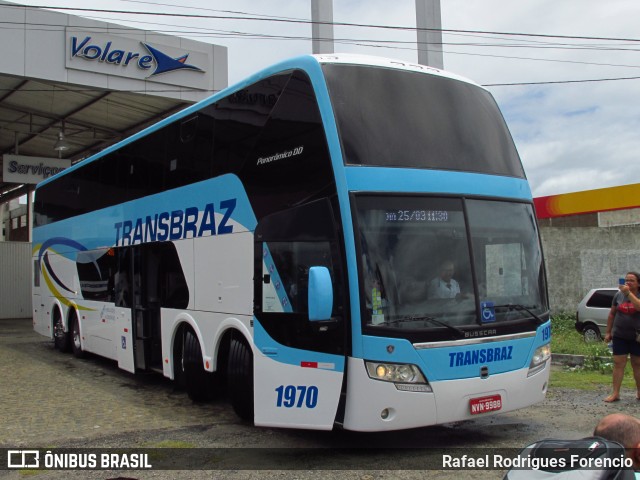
{"x":15,"y":280}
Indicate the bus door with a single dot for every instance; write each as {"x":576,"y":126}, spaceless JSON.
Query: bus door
{"x":299,"y":361}
{"x":138,"y":309}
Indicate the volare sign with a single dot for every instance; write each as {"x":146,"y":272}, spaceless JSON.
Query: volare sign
{"x":32,"y":170}
{"x":128,"y":57}
{"x":103,"y":53}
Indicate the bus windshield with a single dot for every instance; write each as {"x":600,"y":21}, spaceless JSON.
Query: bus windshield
{"x":399,"y":118}
{"x":429,"y":261}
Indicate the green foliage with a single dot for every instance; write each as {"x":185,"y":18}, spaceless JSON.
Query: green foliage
{"x":566,"y":339}
{"x":563,"y":323}
{"x":582,"y":379}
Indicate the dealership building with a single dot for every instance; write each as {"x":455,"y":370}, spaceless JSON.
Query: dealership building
{"x":71,"y":86}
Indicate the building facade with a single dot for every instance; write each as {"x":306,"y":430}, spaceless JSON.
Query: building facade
{"x":590,"y":239}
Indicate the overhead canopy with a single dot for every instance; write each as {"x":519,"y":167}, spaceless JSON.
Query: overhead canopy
{"x":34,"y":112}
{"x":89,"y":84}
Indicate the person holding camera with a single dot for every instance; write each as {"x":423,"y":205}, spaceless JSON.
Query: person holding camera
{"x":623,"y":330}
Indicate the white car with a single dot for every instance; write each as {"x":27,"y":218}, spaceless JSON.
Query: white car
{"x":593,"y":310}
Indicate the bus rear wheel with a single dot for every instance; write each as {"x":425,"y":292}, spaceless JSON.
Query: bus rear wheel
{"x":197,"y":380}
{"x":60,"y":337}
{"x":76,"y":341}
{"x":240,"y":378}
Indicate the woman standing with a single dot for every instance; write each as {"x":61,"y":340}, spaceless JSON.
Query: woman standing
{"x":623,"y":325}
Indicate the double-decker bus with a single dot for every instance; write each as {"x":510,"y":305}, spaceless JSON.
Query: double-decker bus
{"x":335,"y":241}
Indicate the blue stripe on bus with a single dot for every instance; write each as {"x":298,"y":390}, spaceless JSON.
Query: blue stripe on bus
{"x":98,"y":229}
{"x":314,"y":70}
{"x":436,"y":181}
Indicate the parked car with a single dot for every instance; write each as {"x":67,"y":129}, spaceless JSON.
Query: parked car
{"x":593,"y":310}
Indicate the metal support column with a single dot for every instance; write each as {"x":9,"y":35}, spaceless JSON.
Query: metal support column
{"x":322,"y":26}
{"x":429,"y":33}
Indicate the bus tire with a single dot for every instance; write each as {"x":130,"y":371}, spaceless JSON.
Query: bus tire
{"x":240,"y":378}
{"x":197,"y":380}
{"x":178,"y":360}
{"x":61,"y":339}
{"x":76,"y":339}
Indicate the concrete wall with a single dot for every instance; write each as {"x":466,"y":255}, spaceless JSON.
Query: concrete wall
{"x":15,"y":280}
{"x":581,"y":258}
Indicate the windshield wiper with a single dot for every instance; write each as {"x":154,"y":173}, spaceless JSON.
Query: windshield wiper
{"x":521,"y":308}
{"x":459,"y":333}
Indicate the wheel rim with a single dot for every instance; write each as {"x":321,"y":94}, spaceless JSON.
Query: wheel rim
{"x":591,"y":335}
{"x":76,"y":336}
{"x":58,"y":328}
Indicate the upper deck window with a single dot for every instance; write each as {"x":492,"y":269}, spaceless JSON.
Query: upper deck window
{"x":396,"y":118}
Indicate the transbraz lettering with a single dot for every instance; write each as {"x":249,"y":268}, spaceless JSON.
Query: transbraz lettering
{"x":480,"y":355}
{"x":176,"y":225}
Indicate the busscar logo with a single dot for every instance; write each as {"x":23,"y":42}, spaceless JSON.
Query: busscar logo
{"x":23,"y":459}
{"x":106,"y":52}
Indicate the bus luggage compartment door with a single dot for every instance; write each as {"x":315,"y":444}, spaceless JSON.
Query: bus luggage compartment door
{"x":293,"y":387}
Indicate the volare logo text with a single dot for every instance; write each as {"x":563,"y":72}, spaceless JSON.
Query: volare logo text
{"x":106,"y":52}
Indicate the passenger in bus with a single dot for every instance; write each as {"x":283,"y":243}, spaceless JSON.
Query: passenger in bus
{"x":444,"y":285}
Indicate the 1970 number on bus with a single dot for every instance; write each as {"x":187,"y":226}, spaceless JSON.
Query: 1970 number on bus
{"x":290,"y":396}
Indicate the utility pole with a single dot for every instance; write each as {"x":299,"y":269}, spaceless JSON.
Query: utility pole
{"x":429,"y":33}
{"x":322,"y":26}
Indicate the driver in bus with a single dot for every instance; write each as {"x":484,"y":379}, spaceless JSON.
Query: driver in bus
{"x":444,"y":285}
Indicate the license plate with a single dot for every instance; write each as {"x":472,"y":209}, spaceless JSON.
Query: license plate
{"x":490,"y":403}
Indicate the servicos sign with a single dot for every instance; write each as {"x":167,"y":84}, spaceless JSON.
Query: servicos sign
{"x":136,"y":59}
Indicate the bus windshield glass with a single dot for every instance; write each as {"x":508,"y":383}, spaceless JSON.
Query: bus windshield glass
{"x":397,"y":118}
{"x":427,"y":262}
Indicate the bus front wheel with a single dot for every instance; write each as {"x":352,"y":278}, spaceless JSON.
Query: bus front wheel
{"x":240,"y":378}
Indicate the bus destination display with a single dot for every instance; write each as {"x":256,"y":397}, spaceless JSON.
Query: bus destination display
{"x":416,"y":216}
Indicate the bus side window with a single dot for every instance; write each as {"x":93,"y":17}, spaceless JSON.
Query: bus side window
{"x":286,"y":273}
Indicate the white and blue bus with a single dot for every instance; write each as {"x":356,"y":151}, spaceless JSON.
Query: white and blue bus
{"x":336,"y":241}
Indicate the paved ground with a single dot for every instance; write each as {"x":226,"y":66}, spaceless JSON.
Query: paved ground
{"x":48,"y":397}
{"x":53,"y":400}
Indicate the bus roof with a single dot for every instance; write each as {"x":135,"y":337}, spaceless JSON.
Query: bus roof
{"x":352,"y":59}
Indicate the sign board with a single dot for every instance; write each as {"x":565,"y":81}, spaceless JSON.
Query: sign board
{"x":32,"y":170}
{"x":136,"y":58}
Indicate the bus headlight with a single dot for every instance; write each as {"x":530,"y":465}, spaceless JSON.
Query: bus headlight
{"x":539,"y":360}
{"x":405,"y":376}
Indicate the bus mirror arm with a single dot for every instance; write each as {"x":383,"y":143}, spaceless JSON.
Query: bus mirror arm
{"x":320,"y":294}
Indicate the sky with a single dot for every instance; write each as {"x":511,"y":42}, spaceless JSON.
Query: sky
{"x":572,"y":136}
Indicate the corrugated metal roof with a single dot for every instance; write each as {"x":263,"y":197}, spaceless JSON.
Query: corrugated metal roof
{"x":33,"y":112}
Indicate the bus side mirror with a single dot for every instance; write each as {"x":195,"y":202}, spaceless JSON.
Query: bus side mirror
{"x":320,"y":294}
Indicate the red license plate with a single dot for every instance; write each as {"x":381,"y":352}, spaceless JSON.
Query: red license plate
{"x":490,"y":403}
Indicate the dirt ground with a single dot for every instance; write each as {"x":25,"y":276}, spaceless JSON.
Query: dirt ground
{"x":54,"y":400}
